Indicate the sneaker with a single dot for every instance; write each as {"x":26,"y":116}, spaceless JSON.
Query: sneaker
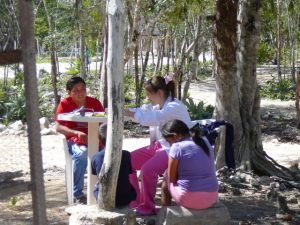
{"x":80,"y":200}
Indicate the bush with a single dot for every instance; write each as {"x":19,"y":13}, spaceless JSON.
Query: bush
{"x":265,"y":53}
{"x":275,"y":90}
{"x":199,"y":111}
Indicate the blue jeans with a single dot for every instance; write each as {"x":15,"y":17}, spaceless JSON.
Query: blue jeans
{"x":79,"y":156}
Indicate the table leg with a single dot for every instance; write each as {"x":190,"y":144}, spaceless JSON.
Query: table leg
{"x":93,"y":147}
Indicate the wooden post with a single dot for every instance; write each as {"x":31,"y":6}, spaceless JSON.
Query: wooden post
{"x":115,"y":72}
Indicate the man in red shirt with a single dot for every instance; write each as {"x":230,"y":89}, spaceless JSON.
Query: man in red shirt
{"x":76,"y":132}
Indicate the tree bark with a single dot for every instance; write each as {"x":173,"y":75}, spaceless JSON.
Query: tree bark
{"x":278,"y":53}
{"x":32,"y":112}
{"x":53,"y":56}
{"x":103,"y":78}
{"x":297,"y":100}
{"x":115,"y":71}
{"x":196,"y":52}
{"x":227,"y":93}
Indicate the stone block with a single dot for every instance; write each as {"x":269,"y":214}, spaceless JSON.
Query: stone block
{"x":218,"y":214}
{"x":92,"y":215}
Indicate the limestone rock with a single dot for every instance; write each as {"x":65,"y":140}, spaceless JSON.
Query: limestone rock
{"x":218,"y":214}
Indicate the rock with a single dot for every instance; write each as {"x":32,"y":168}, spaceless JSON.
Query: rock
{"x":47,"y":131}
{"x":292,"y":199}
{"x":92,"y":215}
{"x":218,"y":214}
{"x":265,"y":180}
{"x":44,"y":122}
{"x":2,"y":127}
{"x":282,"y":204}
{"x":17,"y":125}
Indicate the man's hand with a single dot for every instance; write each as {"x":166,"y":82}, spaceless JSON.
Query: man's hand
{"x":82,"y":136}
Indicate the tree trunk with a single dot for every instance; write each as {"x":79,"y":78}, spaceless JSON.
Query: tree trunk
{"x":227,"y":93}
{"x":297,"y":100}
{"x":82,"y":54}
{"x":115,"y":71}
{"x":136,"y":72}
{"x":196,"y":52}
{"x":278,"y":41}
{"x":246,"y":119}
{"x":103,"y":79}
{"x":32,"y":112}
{"x":53,"y":57}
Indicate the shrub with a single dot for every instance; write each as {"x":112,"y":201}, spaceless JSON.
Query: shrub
{"x":276,"y":90}
{"x":199,"y":111}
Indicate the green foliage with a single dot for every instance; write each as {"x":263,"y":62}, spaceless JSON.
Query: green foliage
{"x":74,"y":69}
{"x":15,"y":106}
{"x":13,"y":200}
{"x":204,"y":70}
{"x":265,"y":53}
{"x":199,"y":111}
{"x":275,"y":90}
{"x":129,"y":85}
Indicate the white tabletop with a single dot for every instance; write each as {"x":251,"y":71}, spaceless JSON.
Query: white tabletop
{"x":87,"y":118}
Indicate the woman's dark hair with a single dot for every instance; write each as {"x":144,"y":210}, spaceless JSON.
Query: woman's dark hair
{"x":178,"y":127}
{"x":72,"y":81}
{"x":159,"y":83}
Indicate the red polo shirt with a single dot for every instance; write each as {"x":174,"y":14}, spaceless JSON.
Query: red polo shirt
{"x":67,"y":105}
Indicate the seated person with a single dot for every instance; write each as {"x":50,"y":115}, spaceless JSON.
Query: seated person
{"x":77,"y":132}
{"x":125,"y":192}
{"x":191,"y":178}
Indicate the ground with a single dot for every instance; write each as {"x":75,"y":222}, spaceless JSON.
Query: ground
{"x":280,"y":139}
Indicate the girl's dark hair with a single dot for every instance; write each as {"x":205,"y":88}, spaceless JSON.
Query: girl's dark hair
{"x":72,"y":81}
{"x":159,"y":83}
{"x":178,"y":127}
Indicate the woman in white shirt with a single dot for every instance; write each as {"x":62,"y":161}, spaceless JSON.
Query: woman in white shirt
{"x":152,"y":160}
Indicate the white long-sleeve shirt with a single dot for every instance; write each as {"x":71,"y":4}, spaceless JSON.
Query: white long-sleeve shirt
{"x":155,"y":118}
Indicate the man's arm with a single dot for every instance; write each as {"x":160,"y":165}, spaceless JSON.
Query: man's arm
{"x":70,"y":132}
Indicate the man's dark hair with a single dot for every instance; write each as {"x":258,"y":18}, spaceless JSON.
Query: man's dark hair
{"x":73,"y":81}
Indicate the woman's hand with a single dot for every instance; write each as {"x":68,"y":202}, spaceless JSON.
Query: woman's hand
{"x":128,"y":113}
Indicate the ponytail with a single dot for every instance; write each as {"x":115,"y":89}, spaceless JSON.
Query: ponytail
{"x":197,"y":135}
{"x":171,"y":89}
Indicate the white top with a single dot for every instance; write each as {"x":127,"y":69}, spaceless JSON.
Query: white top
{"x":148,"y":115}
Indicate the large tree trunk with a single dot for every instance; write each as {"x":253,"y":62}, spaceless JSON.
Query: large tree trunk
{"x":227,"y":93}
{"x":32,"y":115}
{"x":115,"y":70}
{"x":250,"y":151}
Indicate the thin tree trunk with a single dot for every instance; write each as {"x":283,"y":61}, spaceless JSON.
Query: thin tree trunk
{"x":53,"y":57}
{"x":136,"y":72}
{"x":194,"y":66}
{"x":279,"y":41}
{"x":32,"y":113}
{"x":115,"y":69}
{"x":103,"y":79}
{"x":297,"y":100}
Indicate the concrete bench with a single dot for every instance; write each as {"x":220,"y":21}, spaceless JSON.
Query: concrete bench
{"x":218,"y":214}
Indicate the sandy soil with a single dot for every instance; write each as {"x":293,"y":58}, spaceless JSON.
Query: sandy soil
{"x":281,"y":143}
